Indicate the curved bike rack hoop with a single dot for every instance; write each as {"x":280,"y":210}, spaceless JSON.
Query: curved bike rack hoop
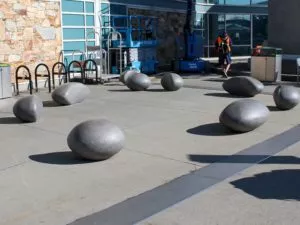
{"x":75,"y":71}
{"x":42,"y":75}
{"x":62,"y":70}
{"x":92,"y":69}
{"x":23,"y":78}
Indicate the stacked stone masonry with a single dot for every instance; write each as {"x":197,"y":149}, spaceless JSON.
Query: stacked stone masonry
{"x":30,"y":32}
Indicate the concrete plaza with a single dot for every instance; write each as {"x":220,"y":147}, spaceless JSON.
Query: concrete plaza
{"x":168,"y":135}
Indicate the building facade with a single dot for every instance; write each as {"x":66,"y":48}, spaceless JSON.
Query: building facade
{"x":33,"y":31}
{"x":284,"y":33}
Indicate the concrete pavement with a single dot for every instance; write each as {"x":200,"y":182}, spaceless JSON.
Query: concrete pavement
{"x":41,"y":183}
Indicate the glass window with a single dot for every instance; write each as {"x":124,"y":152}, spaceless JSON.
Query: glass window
{"x":73,"y":33}
{"x":89,"y":7}
{"x":216,"y":26}
{"x":201,"y":21}
{"x":105,"y":8}
{"x":239,"y":28}
{"x":90,"y":34}
{"x":241,"y":50}
{"x":72,"y":6}
{"x":260,"y":29}
{"x":219,"y":2}
{"x":259,"y":2}
{"x":237,"y":2}
{"x":73,"y":20}
{"x":89,"y":20}
{"x":118,"y":9}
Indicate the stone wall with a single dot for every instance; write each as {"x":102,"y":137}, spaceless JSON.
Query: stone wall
{"x":30,"y":32}
{"x":169,"y":23}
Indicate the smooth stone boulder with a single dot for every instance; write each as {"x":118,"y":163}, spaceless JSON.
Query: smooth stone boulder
{"x":28,"y":109}
{"x":70,"y":93}
{"x":96,"y":139}
{"x":286,"y":97}
{"x":243,"y":86}
{"x":125,"y":75}
{"x":244,"y":115}
{"x":171,"y":81}
{"x":138,"y":82}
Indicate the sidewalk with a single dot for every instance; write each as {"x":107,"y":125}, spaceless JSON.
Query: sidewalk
{"x":166,"y":135}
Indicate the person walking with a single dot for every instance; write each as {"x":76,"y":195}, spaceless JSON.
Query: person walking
{"x":226,"y":51}
{"x":219,"y":51}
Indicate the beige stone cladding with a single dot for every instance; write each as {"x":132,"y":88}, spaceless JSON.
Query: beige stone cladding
{"x":30,"y":32}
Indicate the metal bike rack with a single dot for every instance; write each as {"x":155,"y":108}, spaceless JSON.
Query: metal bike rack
{"x":42,"y":75}
{"x":75,"y":71}
{"x":23,"y":78}
{"x":61,"y":71}
{"x":93,"y":68}
{"x":114,"y":36}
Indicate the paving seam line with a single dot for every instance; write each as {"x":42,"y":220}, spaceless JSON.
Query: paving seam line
{"x":152,"y":202}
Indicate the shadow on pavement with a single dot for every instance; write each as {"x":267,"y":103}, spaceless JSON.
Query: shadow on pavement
{"x":223,"y":95}
{"x":121,"y":90}
{"x":277,"y":184}
{"x":244,"y":159}
{"x":10,"y":120}
{"x":59,"y":158}
{"x":50,"y":104}
{"x":273,"y":108}
{"x":211,"y":129}
{"x":156,"y":90}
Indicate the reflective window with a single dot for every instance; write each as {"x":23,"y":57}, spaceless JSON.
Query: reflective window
{"x":260,"y":29}
{"x":219,"y":2}
{"x":216,"y":26}
{"x":259,"y":2}
{"x":239,"y":28}
{"x":237,"y":2}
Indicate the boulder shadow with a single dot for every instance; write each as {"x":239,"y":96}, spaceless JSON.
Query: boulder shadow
{"x":223,"y":95}
{"x":156,"y":90}
{"x":211,"y":129}
{"x":59,"y":158}
{"x":121,"y":90}
{"x":273,"y":108}
{"x":10,"y":120}
{"x":215,"y":79}
{"x":49,"y":104}
{"x":276,"y":184}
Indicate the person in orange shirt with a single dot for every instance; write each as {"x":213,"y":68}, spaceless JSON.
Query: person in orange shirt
{"x":226,"y":50}
{"x":218,"y":48}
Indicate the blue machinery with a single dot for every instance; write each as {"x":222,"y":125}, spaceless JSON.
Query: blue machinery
{"x":131,"y":44}
{"x":139,"y":41}
{"x":190,"y":47}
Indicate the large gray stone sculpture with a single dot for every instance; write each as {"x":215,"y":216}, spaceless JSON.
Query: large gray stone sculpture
{"x":286,"y":97}
{"x":125,"y":75}
{"x":138,"y":82}
{"x":71,"y":93}
{"x":171,"y":81}
{"x":244,"y":115}
{"x":96,"y":139}
{"x":28,"y":109}
{"x":243,"y":86}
